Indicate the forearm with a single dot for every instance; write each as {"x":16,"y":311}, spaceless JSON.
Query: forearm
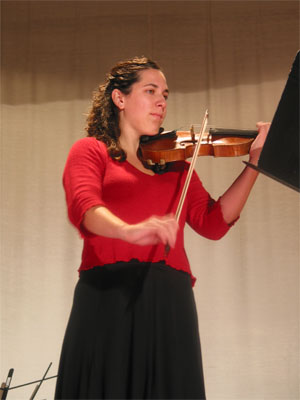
{"x":100,"y":221}
{"x":234,"y":199}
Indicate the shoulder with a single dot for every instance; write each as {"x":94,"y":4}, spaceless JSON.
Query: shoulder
{"x":87,"y":152}
{"x":89,"y":146}
{"x":89,"y":143}
{"x":87,"y":157}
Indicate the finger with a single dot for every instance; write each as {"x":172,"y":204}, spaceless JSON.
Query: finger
{"x":263,"y":126}
{"x":168,"y":231}
{"x":259,"y":124}
{"x":172,"y":232}
{"x":154,"y":230}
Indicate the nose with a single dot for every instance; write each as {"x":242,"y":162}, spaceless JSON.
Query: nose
{"x":162,"y":102}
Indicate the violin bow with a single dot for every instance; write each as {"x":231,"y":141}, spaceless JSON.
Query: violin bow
{"x":191,"y":168}
{"x":190,"y":173}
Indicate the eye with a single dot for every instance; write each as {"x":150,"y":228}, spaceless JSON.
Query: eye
{"x":166,"y":97}
{"x":150,"y":91}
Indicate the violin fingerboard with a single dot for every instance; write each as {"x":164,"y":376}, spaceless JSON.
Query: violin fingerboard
{"x":223,"y":132}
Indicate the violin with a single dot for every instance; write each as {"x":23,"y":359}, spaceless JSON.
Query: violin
{"x":156,"y":151}
{"x":179,"y":145}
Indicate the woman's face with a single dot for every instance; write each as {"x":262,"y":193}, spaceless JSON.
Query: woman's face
{"x":143,"y":110}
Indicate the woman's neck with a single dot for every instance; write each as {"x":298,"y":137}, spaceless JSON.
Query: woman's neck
{"x":130,"y":145}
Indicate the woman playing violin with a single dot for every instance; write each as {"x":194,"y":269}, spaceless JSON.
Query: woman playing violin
{"x":133,"y":330}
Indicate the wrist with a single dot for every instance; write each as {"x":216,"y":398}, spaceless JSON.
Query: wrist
{"x":253,"y":160}
{"x":122,"y":231}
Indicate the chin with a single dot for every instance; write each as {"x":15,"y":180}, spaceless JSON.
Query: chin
{"x":153,"y":131}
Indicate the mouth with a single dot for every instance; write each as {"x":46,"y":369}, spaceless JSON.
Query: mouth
{"x":157,"y":116}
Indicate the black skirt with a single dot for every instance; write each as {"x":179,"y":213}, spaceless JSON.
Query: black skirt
{"x":132,"y":334}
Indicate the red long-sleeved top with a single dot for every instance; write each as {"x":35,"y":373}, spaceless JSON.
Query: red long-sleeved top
{"x":91,"y":177}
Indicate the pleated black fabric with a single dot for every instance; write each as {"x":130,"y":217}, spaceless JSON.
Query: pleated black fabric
{"x":132,"y":334}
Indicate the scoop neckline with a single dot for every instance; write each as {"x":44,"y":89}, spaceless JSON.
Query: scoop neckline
{"x":139,"y":171}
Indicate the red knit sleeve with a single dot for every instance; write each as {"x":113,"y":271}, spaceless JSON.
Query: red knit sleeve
{"x":82,"y":179}
{"x":204,"y":214}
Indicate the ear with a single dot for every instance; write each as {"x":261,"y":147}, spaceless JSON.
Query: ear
{"x":118,"y":98}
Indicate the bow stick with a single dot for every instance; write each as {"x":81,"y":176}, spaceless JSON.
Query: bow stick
{"x":190,"y":172}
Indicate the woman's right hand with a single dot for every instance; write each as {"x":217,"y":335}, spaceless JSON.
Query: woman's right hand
{"x":152,"y":231}
{"x":100,"y":221}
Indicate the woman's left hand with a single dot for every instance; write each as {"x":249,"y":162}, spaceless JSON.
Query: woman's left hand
{"x":257,"y":145}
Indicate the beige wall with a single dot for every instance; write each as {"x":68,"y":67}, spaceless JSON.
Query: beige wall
{"x":230,"y":57}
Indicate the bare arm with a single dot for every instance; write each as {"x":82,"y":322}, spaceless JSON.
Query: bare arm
{"x":100,"y":221}
{"x":234,"y":199}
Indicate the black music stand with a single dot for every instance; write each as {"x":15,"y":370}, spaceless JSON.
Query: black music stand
{"x":279,"y":158}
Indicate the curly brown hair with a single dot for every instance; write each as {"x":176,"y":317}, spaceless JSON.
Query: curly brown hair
{"x":103,"y":118}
